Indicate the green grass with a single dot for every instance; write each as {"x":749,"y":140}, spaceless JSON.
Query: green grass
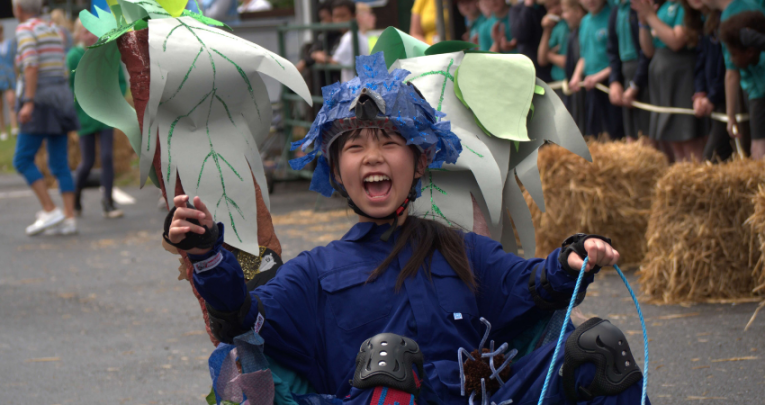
{"x":6,"y":154}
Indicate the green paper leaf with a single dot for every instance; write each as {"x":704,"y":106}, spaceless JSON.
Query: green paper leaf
{"x":210,"y":398}
{"x":205,"y":20}
{"x":141,"y":25}
{"x":136,"y":10}
{"x":98,"y":92}
{"x":113,"y":35}
{"x":397,"y":44}
{"x":485,"y":80}
{"x":539,"y":90}
{"x":457,"y":91}
{"x":98,"y":25}
{"x":449,"y":47}
{"x":117,"y":11}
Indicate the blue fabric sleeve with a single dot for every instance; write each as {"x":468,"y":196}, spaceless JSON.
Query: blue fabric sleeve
{"x":699,"y":72}
{"x":716,"y":84}
{"x":503,"y":295}
{"x":612,"y":49}
{"x":641,"y":74}
{"x":525,"y":23}
{"x":223,"y":287}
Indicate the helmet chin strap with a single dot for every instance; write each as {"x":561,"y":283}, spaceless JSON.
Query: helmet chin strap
{"x":394,"y":216}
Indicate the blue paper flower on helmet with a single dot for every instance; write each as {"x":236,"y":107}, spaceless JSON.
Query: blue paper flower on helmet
{"x":376,"y":99}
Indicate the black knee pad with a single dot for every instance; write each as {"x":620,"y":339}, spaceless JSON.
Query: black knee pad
{"x":386,"y":360}
{"x":599,"y":342}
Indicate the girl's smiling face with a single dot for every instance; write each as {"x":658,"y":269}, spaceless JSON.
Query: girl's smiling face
{"x":377,"y":170}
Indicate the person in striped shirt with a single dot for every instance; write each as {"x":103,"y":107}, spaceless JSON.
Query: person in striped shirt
{"x":45,"y":108}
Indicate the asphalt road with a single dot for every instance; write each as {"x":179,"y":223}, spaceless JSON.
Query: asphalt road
{"x":100,"y":317}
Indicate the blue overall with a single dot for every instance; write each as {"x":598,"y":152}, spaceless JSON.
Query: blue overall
{"x":321,"y":306}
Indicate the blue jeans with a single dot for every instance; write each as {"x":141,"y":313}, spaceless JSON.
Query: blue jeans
{"x":27,"y":146}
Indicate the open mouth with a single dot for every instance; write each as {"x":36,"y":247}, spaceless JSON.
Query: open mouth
{"x":377,"y":186}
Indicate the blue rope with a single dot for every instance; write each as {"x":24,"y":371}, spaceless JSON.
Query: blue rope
{"x":565,"y":322}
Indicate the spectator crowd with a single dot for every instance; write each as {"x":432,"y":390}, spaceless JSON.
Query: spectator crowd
{"x":701,"y":55}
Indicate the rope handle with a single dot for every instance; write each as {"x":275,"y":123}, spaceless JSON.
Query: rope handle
{"x":563,"y":85}
{"x":558,"y":345}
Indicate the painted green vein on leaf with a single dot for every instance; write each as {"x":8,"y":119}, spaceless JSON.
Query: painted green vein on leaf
{"x":193,"y":65}
{"x":172,"y":128}
{"x":447,"y":76}
{"x":434,"y":209}
{"x":468,"y":148}
{"x":244,"y":77}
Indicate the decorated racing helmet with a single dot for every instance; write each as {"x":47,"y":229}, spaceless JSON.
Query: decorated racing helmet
{"x":376,"y":99}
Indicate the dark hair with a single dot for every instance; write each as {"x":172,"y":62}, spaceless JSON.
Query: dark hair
{"x":349,"y":4}
{"x":422,"y":235}
{"x":695,"y":25}
{"x":325,"y":5}
{"x":730,"y":29}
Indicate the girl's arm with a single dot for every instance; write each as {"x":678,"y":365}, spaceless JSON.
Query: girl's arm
{"x":577,"y":76}
{"x":556,"y":59}
{"x":514,"y":291}
{"x":415,"y":27}
{"x":643,"y":9}
{"x":544,"y":46}
{"x":732,"y":82}
{"x":593,"y":79}
{"x":674,"y":37}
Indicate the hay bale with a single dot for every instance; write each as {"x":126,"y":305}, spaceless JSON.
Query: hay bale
{"x":699,"y":247}
{"x":610,"y":196}
{"x":757,"y":223}
{"x":123,"y":156}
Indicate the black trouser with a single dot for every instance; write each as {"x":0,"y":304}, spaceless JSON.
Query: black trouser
{"x":602,"y":116}
{"x":88,"y":151}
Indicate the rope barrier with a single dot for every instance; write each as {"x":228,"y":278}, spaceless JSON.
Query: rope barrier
{"x":579,"y":279}
{"x":718,"y":116}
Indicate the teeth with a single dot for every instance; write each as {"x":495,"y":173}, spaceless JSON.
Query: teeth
{"x":375,"y":178}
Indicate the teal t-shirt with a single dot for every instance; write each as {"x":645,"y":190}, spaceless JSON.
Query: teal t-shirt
{"x":484,"y":34}
{"x":671,"y":13}
{"x":559,"y":37}
{"x":753,"y":77}
{"x":593,"y":40}
{"x":627,"y":51}
{"x":475,"y":27}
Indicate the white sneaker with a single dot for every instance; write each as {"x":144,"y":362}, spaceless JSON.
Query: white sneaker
{"x":66,"y":227}
{"x":3,"y":136}
{"x":45,"y":220}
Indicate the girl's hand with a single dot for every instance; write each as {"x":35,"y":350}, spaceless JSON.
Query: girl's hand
{"x":589,"y":82}
{"x":705,"y":106}
{"x":600,"y":254}
{"x":549,"y":22}
{"x":616,"y":93}
{"x":574,"y":84}
{"x":181,"y":225}
{"x":629,"y":96}
{"x":644,"y":9}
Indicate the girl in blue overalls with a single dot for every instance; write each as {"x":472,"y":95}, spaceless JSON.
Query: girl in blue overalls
{"x":392,"y":272}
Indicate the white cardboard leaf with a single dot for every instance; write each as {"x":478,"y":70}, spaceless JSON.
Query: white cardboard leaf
{"x":438,"y":90}
{"x":210,"y":108}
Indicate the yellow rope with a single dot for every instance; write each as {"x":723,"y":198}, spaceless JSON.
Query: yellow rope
{"x":563,"y":85}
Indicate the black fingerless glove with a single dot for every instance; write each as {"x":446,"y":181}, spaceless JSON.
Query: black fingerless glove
{"x":192,"y":239}
{"x":575,"y":243}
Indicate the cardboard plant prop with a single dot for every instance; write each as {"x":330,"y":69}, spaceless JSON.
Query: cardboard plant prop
{"x":201,"y":109}
{"x":502,"y":115}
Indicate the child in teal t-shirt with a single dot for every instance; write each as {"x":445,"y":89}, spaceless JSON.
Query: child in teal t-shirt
{"x":749,"y":63}
{"x":487,"y":37}
{"x":594,"y":66}
{"x":552,"y":46}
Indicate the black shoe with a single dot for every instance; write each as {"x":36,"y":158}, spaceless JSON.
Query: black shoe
{"x":110,"y":211}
